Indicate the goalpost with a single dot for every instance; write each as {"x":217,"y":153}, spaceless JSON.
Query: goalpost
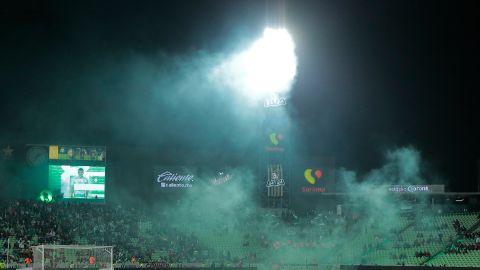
{"x":72,"y":256}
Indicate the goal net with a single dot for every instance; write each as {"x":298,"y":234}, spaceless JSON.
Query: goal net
{"x":47,"y":257}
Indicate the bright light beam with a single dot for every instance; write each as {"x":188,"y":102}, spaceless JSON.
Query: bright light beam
{"x":266,"y":69}
{"x":271,"y":64}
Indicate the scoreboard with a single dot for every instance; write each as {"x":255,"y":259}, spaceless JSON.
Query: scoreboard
{"x":77,"y":153}
{"x":77,"y":172}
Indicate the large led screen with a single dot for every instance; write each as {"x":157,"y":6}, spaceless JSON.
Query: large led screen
{"x":77,"y":182}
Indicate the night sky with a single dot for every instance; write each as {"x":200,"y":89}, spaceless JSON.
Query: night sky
{"x":372,"y":75}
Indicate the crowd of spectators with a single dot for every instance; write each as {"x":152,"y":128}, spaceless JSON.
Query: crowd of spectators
{"x":27,"y":223}
{"x":462,"y":248}
{"x":459,"y":228}
{"x":423,"y":254}
{"x":141,"y":237}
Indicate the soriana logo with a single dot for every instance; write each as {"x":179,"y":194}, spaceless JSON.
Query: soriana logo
{"x":312,"y":177}
{"x":275,"y":138}
{"x":275,"y":142}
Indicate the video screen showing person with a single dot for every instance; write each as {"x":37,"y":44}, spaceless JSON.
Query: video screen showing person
{"x":77,"y":182}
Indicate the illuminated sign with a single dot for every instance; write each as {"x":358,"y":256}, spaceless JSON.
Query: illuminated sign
{"x":311,"y":181}
{"x":274,"y":140}
{"x":313,"y":176}
{"x":310,"y":178}
{"x":174,"y":180}
{"x":274,"y":102}
{"x":313,"y":189}
{"x":220,"y":178}
{"x":76,"y":153}
{"x":275,"y":181}
{"x":416,"y":188}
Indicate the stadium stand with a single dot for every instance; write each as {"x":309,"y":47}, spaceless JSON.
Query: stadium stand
{"x":451,"y":239}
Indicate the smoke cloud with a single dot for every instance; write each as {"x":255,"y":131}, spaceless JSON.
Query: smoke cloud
{"x":369,"y":213}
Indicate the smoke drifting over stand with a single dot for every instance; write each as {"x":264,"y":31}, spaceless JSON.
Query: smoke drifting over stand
{"x":164,"y":85}
{"x":403,"y":166}
{"x":324,"y":236}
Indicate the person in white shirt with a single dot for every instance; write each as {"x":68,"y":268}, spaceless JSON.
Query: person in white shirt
{"x":80,"y":179}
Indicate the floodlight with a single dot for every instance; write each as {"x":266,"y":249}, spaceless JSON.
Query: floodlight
{"x":264,"y":70}
{"x":270,"y":63}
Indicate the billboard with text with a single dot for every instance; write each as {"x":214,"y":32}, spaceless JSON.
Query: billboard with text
{"x":314,"y":175}
{"x":175,"y":178}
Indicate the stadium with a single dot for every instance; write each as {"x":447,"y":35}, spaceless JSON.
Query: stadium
{"x":65,"y":235}
{"x":268,"y":134}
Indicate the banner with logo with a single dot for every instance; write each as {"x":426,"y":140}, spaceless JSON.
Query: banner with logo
{"x":416,"y":188}
{"x":185,"y":178}
{"x":175,"y":178}
{"x":275,"y":141}
{"x":275,"y":184}
{"x":314,"y":175}
{"x":218,"y":177}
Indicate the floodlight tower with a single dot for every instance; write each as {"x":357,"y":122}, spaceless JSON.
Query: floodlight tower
{"x":275,"y":158}
{"x":274,"y":71}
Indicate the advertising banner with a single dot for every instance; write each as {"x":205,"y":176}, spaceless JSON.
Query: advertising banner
{"x":275,"y":180}
{"x":314,"y":175}
{"x":416,"y":188}
{"x":184,"y":178}
{"x":219,"y":177}
{"x":275,"y":141}
{"x":77,"y":153}
{"x":175,"y":178}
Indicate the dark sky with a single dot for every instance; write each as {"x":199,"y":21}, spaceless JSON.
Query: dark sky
{"x":372,"y":75}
